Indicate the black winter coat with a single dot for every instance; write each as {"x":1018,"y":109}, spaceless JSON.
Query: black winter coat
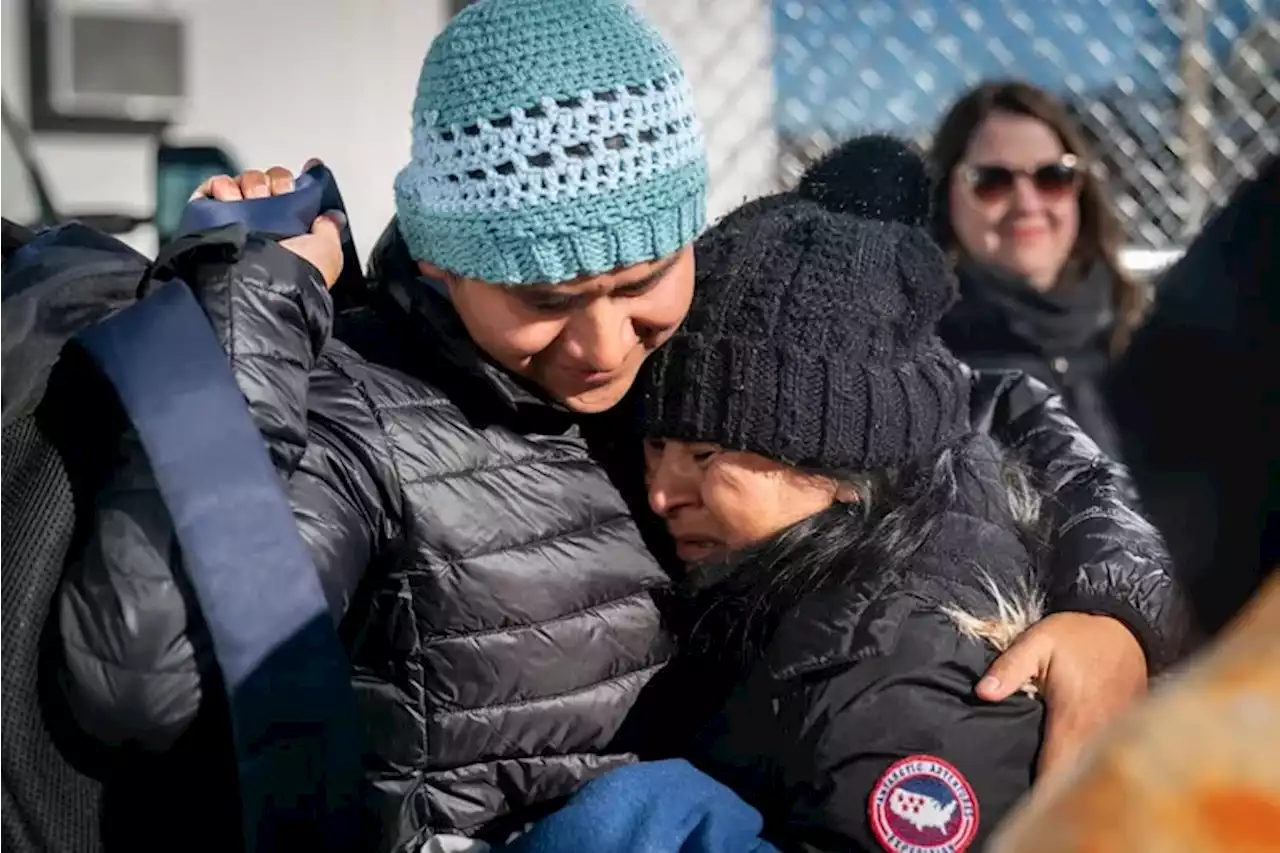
{"x":858,"y":715}
{"x":1062,"y":338}
{"x":1197,"y":398}
{"x":477,"y":544}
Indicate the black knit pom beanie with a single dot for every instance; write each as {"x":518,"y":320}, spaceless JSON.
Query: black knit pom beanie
{"x":811,"y":337}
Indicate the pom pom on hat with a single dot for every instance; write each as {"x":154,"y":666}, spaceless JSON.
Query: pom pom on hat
{"x":876,"y":177}
{"x":811,"y":340}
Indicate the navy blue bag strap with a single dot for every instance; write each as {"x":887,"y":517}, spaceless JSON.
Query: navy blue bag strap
{"x":293,"y":713}
{"x":315,"y":192}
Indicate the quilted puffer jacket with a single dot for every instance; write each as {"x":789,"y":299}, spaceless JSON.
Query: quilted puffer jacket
{"x":487,"y":553}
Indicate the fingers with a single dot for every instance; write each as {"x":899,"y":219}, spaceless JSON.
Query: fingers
{"x":312,"y":163}
{"x":255,"y":184}
{"x":1026,"y":660}
{"x":280,"y":180}
{"x":219,"y":187}
{"x":252,"y":183}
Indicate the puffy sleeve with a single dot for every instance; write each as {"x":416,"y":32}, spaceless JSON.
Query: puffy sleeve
{"x":134,"y":652}
{"x":1106,"y":557}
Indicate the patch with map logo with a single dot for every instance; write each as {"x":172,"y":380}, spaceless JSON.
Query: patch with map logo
{"x":923,"y":804}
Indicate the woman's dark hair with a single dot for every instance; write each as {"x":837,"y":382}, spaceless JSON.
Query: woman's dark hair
{"x":728,"y":610}
{"x":1100,"y":231}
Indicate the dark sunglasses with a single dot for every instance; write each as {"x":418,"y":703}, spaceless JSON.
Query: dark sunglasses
{"x":1052,"y":180}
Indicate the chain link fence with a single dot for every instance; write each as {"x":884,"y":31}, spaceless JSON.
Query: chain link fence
{"x":1181,"y":98}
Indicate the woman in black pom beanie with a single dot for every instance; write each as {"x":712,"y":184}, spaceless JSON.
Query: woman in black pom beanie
{"x":856,"y":550}
{"x":857,"y":555}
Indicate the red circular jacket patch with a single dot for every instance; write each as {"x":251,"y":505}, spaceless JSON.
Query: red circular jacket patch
{"x":923,"y":804}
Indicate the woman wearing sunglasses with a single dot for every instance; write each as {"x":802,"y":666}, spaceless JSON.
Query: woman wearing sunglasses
{"x":1021,"y":208}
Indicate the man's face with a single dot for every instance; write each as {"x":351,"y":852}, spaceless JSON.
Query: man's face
{"x":582,"y":341}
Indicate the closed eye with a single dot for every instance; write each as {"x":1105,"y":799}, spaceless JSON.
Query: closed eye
{"x":548,"y":303}
{"x":637,"y":289}
{"x":646,"y":284}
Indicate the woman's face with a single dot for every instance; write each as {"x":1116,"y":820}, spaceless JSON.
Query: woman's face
{"x":717,"y":501}
{"x":1015,"y":198}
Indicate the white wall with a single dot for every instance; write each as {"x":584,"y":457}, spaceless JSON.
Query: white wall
{"x":279,"y":81}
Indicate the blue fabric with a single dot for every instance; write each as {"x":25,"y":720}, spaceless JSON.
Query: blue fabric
{"x":654,"y":807}
{"x":281,"y":216}
{"x":292,"y":710}
{"x":315,"y":191}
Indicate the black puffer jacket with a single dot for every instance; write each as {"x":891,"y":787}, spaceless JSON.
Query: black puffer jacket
{"x":875,"y":670}
{"x":504,"y":625}
{"x":479,"y":542}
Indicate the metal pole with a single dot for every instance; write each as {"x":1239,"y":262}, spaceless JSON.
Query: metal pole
{"x":1195,"y":115}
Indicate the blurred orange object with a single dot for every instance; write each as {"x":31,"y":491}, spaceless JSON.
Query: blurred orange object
{"x":1196,"y":769}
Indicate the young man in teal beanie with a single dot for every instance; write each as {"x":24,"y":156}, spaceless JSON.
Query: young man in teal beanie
{"x":454,"y":448}
{"x":452,"y":463}
{"x":555,"y":143}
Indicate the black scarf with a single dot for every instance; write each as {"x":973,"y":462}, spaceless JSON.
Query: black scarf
{"x":1001,"y":311}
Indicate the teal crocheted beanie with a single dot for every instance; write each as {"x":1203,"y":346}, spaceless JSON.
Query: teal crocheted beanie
{"x":551,"y":139}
